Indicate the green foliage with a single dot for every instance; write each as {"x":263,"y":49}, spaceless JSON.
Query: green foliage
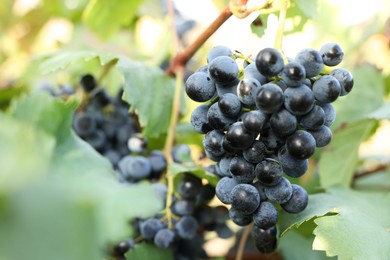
{"x":55,"y":185}
{"x":150,"y":92}
{"x":99,"y":17}
{"x":176,"y":168}
{"x":145,"y":251}
{"x":350,"y":224}
{"x":338,"y":160}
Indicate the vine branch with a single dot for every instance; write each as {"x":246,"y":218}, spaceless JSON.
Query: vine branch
{"x":281,"y":23}
{"x":377,"y":169}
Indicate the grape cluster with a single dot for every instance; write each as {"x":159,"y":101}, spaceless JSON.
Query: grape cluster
{"x":262,"y":127}
{"x":106,"y":124}
{"x":192,"y":217}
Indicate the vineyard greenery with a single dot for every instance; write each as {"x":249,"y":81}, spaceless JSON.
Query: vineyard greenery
{"x":60,"y":194}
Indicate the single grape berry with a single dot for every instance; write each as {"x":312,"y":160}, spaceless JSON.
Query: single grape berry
{"x":84,"y":124}
{"x":293,"y":74}
{"x":292,"y":166}
{"x":239,"y":218}
{"x":345,"y":79}
{"x":326,"y":89}
{"x":239,"y":137}
{"x":269,"y":98}
{"x":314,"y":119}
{"x":217,"y":119}
{"x":245,"y":198}
{"x":223,"y":69}
{"x":187,"y":227}
{"x":200,"y":87}
{"x":311,"y":60}
{"x":269,"y":62}
{"x":298,"y":201}
{"x":268,"y":172}
{"x":255,"y":153}
{"x":301,"y":144}
{"x":265,"y":239}
{"x":283,"y":123}
{"x":299,"y":100}
{"x":246,"y":91}
{"x":164,"y":238}
{"x":241,"y":170}
{"x":87,"y":82}
{"x":224,"y":165}
{"x":217,"y":51}
{"x":331,"y":54}
{"x":266,"y":215}
{"x":230,"y":105}
{"x":212,"y":142}
{"x":224,"y":188}
{"x":183,"y":207}
{"x":150,"y":227}
{"x":199,"y":119}
{"x":322,"y":136}
{"x":330,"y":113}
{"x":254,"y":120}
{"x":279,"y":193}
{"x":189,"y":186}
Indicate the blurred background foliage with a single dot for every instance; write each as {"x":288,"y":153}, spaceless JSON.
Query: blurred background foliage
{"x":48,"y":42}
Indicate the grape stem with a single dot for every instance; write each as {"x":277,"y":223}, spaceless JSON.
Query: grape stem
{"x":106,"y":69}
{"x":243,"y":239}
{"x":281,"y":23}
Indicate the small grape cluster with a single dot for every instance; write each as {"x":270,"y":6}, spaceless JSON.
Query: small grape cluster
{"x":192,"y":217}
{"x":263,"y":123}
{"x":107,"y":125}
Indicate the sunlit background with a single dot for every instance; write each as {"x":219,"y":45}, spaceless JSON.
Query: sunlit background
{"x":32,"y":28}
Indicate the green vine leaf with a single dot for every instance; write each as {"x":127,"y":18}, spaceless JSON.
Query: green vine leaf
{"x":98,"y":15}
{"x":339,"y":158}
{"x":150,"y":93}
{"x":148,"y":251}
{"x":350,"y":224}
{"x":176,"y":168}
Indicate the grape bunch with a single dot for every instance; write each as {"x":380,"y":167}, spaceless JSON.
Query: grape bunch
{"x":192,"y":217}
{"x":261,"y":124}
{"x":107,"y":125}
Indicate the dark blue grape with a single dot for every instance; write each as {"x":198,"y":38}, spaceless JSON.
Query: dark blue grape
{"x":314,"y":119}
{"x":241,"y":170}
{"x":268,"y":172}
{"x":326,"y":89}
{"x":239,"y":218}
{"x":224,"y":165}
{"x":84,"y":124}
{"x":261,"y":189}
{"x":224,"y":188}
{"x":246,"y":91}
{"x":279,"y":193}
{"x":212,"y":142}
{"x":223,"y":69}
{"x":345,"y":79}
{"x":99,"y":98}
{"x":230,"y":87}
{"x":223,"y":231}
{"x":228,"y":147}
{"x":245,"y":198}
{"x":298,"y":201}
{"x":322,"y":136}
{"x":254,"y":120}
{"x":217,"y":119}
{"x":311,"y":60}
{"x":330,"y":113}
{"x":269,"y":62}
{"x":229,"y":105}
{"x":189,"y":186}
{"x":266,"y":215}
{"x":265,"y":239}
{"x":271,"y":140}
{"x":292,"y":166}
{"x":301,"y":144}
{"x":239,"y":137}
{"x":135,"y":167}
{"x":251,"y":71}
{"x":255,"y":152}
{"x":221,"y":214}
{"x":150,"y":227}
{"x":207,"y":193}
{"x":97,"y":139}
{"x":293,"y":74}
{"x":299,"y":100}
{"x":157,"y":161}
{"x":164,"y":238}
{"x":87,"y":82}
{"x":199,"y":119}
{"x":113,"y":156}
{"x":283,"y":123}
{"x":331,"y":54}
{"x":200,"y":87}
{"x":269,"y":98}
{"x":183,"y":207}
{"x":187,"y":227}
{"x":217,"y":51}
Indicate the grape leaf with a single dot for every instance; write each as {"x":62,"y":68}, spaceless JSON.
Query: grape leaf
{"x":381,"y":113}
{"x":40,"y":150}
{"x":55,"y":61}
{"x":308,"y":7}
{"x":150,"y":93}
{"x":295,"y":246}
{"x":367,"y":92}
{"x":339,"y":158}
{"x":359,"y":230}
{"x":106,"y":17}
{"x":259,"y":25}
{"x":148,"y":251}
